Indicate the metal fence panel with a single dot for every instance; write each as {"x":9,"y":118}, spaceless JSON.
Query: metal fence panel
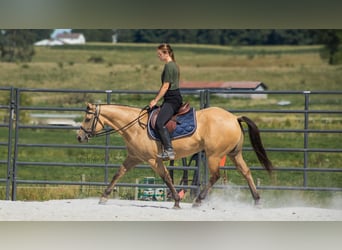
{"x":6,"y":142}
{"x":16,"y":128}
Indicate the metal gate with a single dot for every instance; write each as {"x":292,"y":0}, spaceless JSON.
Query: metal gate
{"x":6,"y":142}
{"x":13,"y":141}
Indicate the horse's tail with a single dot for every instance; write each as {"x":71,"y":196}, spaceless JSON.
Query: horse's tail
{"x":254,"y":136}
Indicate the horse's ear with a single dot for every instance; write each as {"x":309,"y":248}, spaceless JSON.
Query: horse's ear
{"x":88,"y":105}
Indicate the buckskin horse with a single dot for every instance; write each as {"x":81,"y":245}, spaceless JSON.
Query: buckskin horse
{"x":218,"y":133}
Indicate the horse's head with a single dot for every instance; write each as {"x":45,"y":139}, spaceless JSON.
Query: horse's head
{"x":91,"y":124}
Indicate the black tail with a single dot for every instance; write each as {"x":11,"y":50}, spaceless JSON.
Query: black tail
{"x":254,"y":136}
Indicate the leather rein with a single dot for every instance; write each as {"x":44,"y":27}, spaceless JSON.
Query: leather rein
{"x":92,"y":132}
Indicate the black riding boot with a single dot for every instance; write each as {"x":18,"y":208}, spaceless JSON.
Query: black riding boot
{"x":168,"y":153}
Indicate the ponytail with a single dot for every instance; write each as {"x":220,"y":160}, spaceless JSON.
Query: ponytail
{"x":166,"y":48}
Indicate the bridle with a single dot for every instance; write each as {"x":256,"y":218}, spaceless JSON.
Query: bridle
{"x":92,"y":131}
{"x":96,"y":119}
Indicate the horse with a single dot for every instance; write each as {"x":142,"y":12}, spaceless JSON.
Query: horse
{"x":219,"y":133}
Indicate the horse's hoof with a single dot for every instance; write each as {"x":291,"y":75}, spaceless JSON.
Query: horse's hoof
{"x":103,"y":200}
{"x":257,"y":203}
{"x":196,"y":204}
{"x":176,"y":207}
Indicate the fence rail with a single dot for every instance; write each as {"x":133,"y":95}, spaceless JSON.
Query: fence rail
{"x":14,"y":141}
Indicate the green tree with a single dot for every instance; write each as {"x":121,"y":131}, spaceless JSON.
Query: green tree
{"x":331,"y":40}
{"x":40,"y":34}
{"x":221,"y":36}
{"x":17,"y":45}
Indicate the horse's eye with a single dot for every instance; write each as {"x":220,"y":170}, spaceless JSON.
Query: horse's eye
{"x":87,"y":120}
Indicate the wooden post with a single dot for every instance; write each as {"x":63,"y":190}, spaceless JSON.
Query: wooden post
{"x":82,"y":181}
{"x":136,"y":189}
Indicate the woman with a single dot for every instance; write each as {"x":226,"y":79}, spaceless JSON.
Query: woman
{"x":172,"y":99}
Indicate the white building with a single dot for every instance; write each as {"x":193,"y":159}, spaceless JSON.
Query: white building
{"x":63,"y":39}
{"x":48,"y":42}
{"x":71,"y":38}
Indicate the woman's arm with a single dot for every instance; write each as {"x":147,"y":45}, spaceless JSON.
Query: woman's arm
{"x":160,"y":94}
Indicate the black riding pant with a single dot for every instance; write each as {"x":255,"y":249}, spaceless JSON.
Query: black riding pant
{"x":167,"y":110}
{"x":172,"y":102}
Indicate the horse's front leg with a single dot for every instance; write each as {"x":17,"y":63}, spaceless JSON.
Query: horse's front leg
{"x":159,"y":167}
{"x":128,"y":164}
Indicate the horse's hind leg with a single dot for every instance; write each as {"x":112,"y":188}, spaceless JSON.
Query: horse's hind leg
{"x":246,"y":172}
{"x":214,"y":169}
{"x":128,"y":164}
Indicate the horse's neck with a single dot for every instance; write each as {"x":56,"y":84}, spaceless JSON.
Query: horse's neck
{"x":117,"y":116}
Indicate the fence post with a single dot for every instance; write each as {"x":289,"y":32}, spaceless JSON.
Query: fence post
{"x":204,"y":103}
{"x":16,"y":141}
{"x":306,"y":135}
{"x":9,"y":150}
{"x":204,"y":99}
{"x":109,"y":92}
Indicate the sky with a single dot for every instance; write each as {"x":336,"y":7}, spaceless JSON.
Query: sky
{"x":58,"y":31}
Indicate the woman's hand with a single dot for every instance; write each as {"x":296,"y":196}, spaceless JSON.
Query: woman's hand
{"x":153,"y":103}
{"x":163,"y":89}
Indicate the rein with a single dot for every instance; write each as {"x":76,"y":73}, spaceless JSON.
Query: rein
{"x":112,"y":130}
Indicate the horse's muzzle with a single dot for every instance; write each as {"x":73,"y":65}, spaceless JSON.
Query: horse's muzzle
{"x":82,"y":138}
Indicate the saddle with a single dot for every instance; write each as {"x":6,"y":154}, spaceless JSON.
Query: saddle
{"x":172,"y":123}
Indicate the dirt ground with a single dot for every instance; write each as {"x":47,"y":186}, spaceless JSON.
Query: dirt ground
{"x":215,"y":209}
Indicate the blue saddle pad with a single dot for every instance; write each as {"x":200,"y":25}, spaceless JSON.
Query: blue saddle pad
{"x":186,"y":126}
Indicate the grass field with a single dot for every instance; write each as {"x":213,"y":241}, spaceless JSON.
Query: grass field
{"x":135,"y":67}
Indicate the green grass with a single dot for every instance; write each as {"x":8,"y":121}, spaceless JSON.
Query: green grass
{"x":136,"y":67}
{"x":131,"y":66}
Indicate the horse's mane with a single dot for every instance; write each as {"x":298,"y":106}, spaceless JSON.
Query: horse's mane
{"x":117,"y":104}
{"x":114,"y":104}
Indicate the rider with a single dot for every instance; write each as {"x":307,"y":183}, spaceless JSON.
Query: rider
{"x":172,"y":99}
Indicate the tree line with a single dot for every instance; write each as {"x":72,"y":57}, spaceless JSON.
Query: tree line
{"x":221,"y":36}
{"x":208,"y":36}
{"x":17,"y":45}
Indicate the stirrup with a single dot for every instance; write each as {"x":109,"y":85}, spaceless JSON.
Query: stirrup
{"x":167,"y":155}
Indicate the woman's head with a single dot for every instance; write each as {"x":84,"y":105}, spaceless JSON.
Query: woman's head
{"x":165,"y":49}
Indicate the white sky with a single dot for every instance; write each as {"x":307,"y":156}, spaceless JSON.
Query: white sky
{"x":58,"y":31}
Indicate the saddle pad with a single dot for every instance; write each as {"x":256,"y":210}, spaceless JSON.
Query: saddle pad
{"x":186,"y":126}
